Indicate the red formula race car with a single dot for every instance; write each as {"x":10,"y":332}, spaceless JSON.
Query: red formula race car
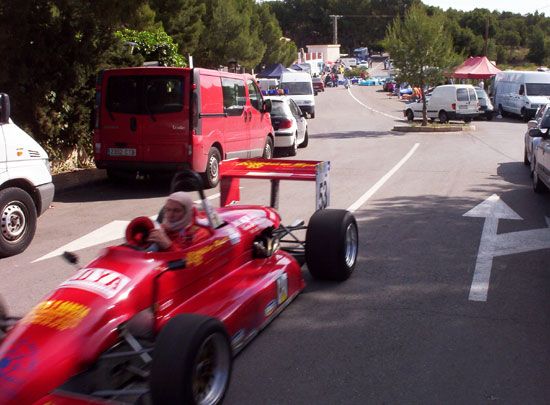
{"x":142,"y":326}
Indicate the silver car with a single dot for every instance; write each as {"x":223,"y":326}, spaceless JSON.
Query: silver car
{"x":541,"y":153}
{"x":532,"y":142}
{"x":289,"y":123}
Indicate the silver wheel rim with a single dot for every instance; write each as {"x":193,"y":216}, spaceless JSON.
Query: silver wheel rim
{"x":351,"y":244}
{"x":13,"y":222}
{"x":267,"y":151}
{"x":214,"y":167}
{"x":211,"y":370}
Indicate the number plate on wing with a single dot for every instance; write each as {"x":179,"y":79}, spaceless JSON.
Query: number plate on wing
{"x":122,"y":152}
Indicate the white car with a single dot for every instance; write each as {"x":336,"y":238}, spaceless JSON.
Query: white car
{"x":289,"y":123}
{"x":540,"y":124}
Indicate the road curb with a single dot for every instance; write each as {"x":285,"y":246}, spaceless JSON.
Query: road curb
{"x":79,"y":178}
{"x":454,"y":128}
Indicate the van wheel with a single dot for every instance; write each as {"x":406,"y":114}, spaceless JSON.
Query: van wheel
{"x":410,"y":115}
{"x":467,"y":120}
{"x":268,"y":148}
{"x":523,"y":115}
{"x":312,"y":115}
{"x":489,"y":116}
{"x":211,"y":176}
{"x":501,"y":111}
{"x":305,"y":141}
{"x":17,"y":221}
{"x":443,"y":117}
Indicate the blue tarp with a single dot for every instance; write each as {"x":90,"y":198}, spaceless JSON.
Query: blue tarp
{"x":272,"y":71}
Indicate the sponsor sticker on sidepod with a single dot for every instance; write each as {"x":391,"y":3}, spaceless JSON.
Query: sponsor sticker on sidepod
{"x":106,"y":283}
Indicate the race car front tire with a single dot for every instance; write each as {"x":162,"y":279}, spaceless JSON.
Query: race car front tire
{"x":192,"y":361}
{"x":332,"y":244}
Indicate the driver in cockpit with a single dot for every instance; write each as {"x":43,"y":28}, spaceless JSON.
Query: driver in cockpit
{"x":176,"y":231}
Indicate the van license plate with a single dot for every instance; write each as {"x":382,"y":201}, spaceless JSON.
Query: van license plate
{"x":462,"y":107}
{"x":122,"y":152}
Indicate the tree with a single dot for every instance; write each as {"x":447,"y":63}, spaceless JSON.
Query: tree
{"x":278,"y":48}
{"x":52,"y":51}
{"x":537,"y":47}
{"x":231,"y":33}
{"x":421,"y":49}
{"x":153,"y":45}
{"x":182,"y":20}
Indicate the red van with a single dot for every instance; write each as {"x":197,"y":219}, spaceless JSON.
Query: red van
{"x":158,"y":119}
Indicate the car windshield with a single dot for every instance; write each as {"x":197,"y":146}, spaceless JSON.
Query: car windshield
{"x":297,"y":88}
{"x":538,"y":89}
{"x":481,"y":94}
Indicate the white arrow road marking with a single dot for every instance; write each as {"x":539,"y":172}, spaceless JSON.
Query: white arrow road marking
{"x":112,"y":231}
{"x":493,"y":245}
{"x":370,"y":192}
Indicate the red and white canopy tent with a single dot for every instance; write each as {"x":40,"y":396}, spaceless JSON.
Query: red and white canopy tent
{"x":476,"y":67}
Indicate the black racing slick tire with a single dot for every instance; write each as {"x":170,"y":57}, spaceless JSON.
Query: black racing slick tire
{"x":332,"y":244}
{"x":305,"y":141}
{"x":192,"y":362}
{"x":268,"y":148}
{"x":17,"y":221}
{"x":211,"y":176}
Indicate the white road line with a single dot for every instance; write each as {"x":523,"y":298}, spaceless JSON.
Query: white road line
{"x":353,"y":207}
{"x":372,"y":109}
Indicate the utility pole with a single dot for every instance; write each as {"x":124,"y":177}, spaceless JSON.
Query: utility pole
{"x":335,"y":26}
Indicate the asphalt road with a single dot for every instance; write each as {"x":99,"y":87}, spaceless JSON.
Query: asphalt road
{"x":403,"y":328}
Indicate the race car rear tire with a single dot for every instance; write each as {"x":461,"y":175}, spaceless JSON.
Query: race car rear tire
{"x":192,"y":361}
{"x":17,"y":221}
{"x":332,"y":244}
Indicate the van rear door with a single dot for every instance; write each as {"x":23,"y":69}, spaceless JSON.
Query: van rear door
{"x":119,"y":132}
{"x":164,"y":127}
{"x":466,"y":103}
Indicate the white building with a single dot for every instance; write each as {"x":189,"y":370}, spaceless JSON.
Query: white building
{"x":330,"y":53}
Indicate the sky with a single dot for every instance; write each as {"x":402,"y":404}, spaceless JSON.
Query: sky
{"x":515,"y":6}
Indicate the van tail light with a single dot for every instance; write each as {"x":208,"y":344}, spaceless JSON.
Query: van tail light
{"x":453,"y":106}
{"x":285,"y":124}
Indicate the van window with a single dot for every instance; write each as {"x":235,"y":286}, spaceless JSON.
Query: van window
{"x":122,"y":94}
{"x":163,"y":95}
{"x":144,"y":94}
{"x":255,"y":96}
{"x":472,"y":94}
{"x":234,"y":97}
{"x":297,"y":88}
{"x":538,"y":89}
{"x":462,"y":95}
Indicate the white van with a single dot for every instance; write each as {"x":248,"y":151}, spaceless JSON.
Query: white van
{"x":267,"y":84}
{"x":26,"y":188}
{"x":521,"y":93}
{"x":298,"y":86}
{"x":447,"y":102}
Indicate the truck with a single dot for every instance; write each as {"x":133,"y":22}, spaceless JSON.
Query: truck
{"x":26,"y":187}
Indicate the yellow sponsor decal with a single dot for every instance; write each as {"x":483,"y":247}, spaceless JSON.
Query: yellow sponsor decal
{"x":56,"y":314}
{"x":259,"y":165}
{"x":197,"y":257}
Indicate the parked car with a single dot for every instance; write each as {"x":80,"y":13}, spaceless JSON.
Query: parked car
{"x":448,"y":102}
{"x":485,"y":106}
{"x":541,"y":119}
{"x":289,"y":123}
{"x":318,"y":84}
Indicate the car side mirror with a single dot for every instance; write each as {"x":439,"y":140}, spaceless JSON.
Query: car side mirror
{"x":4,"y":108}
{"x":266,"y":106}
{"x":535,"y":132}
{"x":532,"y":124}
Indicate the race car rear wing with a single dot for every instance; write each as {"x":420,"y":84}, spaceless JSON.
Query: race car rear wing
{"x":231,"y":171}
